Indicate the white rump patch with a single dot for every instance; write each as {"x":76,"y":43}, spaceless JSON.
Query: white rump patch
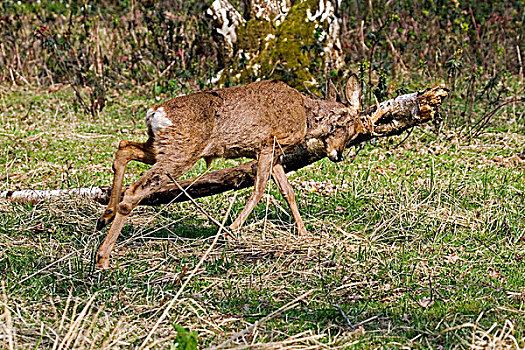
{"x":156,"y":120}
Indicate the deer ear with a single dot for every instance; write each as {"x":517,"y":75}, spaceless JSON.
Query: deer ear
{"x":353,"y":92}
{"x":331,"y":91}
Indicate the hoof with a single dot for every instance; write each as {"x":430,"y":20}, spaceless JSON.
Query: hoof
{"x":303,"y":233}
{"x":100,"y":224}
{"x":235,"y":227}
{"x":105,"y":219}
{"x":102,"y":262}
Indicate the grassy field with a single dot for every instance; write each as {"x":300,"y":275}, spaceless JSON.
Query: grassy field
{"x":416,"y":246}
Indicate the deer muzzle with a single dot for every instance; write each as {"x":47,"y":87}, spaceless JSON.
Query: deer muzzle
{"x":335,"y":156}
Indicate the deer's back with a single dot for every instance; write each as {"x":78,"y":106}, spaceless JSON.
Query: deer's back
{"x":233,"y":122}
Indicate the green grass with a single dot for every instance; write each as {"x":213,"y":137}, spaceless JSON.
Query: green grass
{"x":414,"y":244}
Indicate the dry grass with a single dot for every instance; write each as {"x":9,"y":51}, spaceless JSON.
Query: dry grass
{"x":73,"y":322}
{"x":407,"y":247}
{"x":497,"y":337}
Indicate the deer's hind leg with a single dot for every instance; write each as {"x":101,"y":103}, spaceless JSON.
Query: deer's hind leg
{"x":127,"y":151}
{"x":160,"y":174}
{"x":264,"y":166}
{"x":286,"y":189}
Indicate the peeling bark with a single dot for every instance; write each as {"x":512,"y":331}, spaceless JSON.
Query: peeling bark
{"x":389,"y":118}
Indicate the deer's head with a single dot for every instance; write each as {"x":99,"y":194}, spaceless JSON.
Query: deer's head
{"x":345,"y":119}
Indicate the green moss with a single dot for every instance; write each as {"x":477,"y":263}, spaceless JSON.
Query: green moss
{"x":250,"y":36}
{"x":289,"y":58}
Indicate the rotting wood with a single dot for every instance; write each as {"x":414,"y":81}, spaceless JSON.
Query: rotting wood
{"x":391,"y":117}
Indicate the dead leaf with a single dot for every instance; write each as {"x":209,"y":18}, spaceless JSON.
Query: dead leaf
{"x":425,"y":302}
{"x":358,"y":332}
{"x":494,"y":273}
{"x":452,"y":258}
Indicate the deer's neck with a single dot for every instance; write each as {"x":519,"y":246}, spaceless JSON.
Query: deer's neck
{"x":318,"y":116}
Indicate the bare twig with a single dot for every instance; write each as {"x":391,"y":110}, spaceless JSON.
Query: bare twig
{"x":344,"y":315}
{"x":47,"y":267}
{"x":258,"y":323}
{"x":8,"y":327}
{"x":215,"y":221}
{"x":483,"y":121}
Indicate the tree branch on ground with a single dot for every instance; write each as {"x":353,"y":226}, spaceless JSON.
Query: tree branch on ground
{"x":391,"y":117}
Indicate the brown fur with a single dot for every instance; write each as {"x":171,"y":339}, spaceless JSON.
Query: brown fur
{"x":260,"y":120}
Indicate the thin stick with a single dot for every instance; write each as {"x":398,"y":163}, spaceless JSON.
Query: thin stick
{"x":134,"y":238}
{"x":406,"y":138}
{"x":483,"y":121}
{"x":161,"y":74}
{"x":193,"y":272}
{"x":344,"y":315}
{"x":519,"y":60}
{"x":62,"y":319}
{"x":46,"y":267}
{"x":258,"y":323}
{"x":367,"y":320}
{"x":221,"y":226}
{"x":9,"y":329}
{"x":71,"y":333}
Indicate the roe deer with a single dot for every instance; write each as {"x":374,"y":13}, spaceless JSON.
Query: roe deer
{"x":251,"y":121}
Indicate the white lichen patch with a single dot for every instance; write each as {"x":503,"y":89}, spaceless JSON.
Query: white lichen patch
{"x":156,"y":120}
{"x":269,"y":40}
{"x":322,"y":36}
{"x":313,"y":81}
{"x":216,"y":78}
{"x":259,"y":54}
{"x":260,"y":12}
{"x":269,"y":37}
{"x":284,"y":7}
{"x":256,"y":67}
{"x":271,"y":11}
{"x":324,"y":11}
{"x":326,"y":14}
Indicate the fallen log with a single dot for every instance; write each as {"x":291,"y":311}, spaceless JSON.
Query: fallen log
{"x":391,"y":117}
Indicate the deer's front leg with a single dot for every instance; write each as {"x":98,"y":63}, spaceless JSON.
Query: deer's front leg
{"x":152,"y":181}
{"x":109,"y":242}
{"x":264,"y":165}
{"x":287,"y":191}
{"x":127,"y":151}
{"x":148,"y":183}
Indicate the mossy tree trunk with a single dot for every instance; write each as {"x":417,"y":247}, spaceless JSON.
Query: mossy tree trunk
{"x":275,"y":39}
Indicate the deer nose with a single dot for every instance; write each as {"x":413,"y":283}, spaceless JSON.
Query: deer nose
{"x":335,"y":156}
